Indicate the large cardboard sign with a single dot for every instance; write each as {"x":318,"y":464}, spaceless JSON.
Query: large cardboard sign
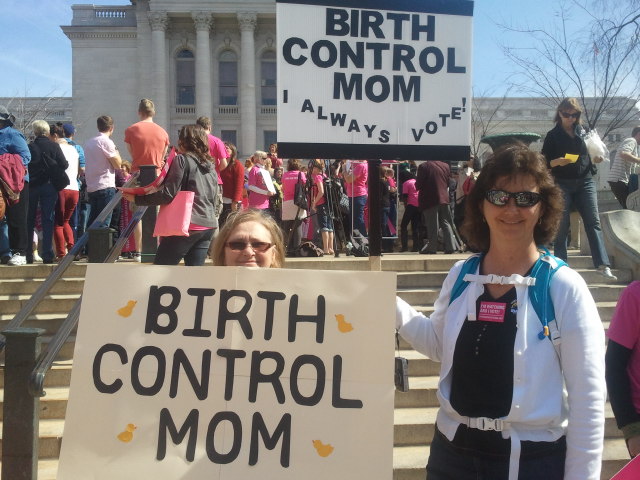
{"x":231,"y":373}
{"x":374,"y":79}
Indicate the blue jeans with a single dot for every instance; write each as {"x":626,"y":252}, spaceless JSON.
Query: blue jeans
{"x":46,"y":196}
{"x":582,"y":194}
{"x":325,"y":222}
{"x":193,"y":249}
{"x":5,"y":251}
{"x":356,"y":214}
{"x":448,"y":462}
{"x":97,"y":201}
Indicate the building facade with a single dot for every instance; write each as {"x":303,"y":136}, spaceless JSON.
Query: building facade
{"x":192,"y":58}
{"x":218,"y":58}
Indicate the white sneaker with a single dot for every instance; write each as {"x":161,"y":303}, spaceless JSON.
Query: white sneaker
{"x":606,"y":272}
{"x":137,"y":257}
{"x":17,"y":260}
{"x":36,"y":257}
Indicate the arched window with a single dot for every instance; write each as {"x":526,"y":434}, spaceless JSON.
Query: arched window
{"x":228,"y":75}
{"x":185,"y":78}
{"x":268,"y":78}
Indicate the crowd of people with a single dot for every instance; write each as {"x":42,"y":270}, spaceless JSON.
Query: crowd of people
{"x":333,"y":212}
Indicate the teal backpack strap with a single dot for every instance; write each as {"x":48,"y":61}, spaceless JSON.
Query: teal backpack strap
{"x":470,"y":265}
{"x":543,"y":271}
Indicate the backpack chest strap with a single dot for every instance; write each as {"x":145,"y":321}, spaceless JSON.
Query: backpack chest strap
{"x":514,"y":279}
{"x":476,"y":282}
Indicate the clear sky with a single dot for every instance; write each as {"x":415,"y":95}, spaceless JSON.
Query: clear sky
{"x":36,"y":56}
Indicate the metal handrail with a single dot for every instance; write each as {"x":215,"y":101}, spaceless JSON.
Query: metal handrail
{"x":61,"y":267}
{"x":47,"y":356}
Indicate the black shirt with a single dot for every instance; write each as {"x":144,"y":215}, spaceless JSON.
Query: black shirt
{"x":482,"y":371}
{"x":557,"y":143}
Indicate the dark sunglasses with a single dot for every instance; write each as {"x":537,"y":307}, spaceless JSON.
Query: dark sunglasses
{"x":523,"y":199}
{"x":570,"y":115}
{"x":255,"y":246}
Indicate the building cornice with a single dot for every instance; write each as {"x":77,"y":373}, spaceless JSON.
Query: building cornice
{"x":79,"y":33}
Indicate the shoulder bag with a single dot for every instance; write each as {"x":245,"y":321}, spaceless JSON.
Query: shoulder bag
{"x":300,"y":194}
{"x":174,"y":218}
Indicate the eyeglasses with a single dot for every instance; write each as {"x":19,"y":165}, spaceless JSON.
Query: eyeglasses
{"x":570,"y":115}
{"x":255,"y":246}
{"x":523,"y":199}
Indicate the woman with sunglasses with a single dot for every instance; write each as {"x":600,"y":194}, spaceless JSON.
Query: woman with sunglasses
{"x":249,"y":238}
{"x":511,"y":405}
{"x":571,"y":166}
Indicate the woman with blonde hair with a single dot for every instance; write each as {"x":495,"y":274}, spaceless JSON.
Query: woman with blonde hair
{"x":249,"y":238}
{"x":260,"y":186}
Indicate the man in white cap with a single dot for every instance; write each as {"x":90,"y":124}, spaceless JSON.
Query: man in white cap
{"x":12,"y":141}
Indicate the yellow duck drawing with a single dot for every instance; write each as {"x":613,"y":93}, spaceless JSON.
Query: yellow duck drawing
{"x":322,"y":449}
{"x":127,"y":309}
{"x":127,"y":435}
{"x":343,"y":325}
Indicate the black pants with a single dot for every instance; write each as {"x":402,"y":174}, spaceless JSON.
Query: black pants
{"x":17,"y":223}
{"x":411,"y":215}
{"x":621,"y":191}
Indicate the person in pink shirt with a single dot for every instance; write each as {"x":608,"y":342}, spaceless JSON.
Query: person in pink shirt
{"x":217,"y":149}
{"x":355,"y":175}
{"x":623,"y":366}
{"x":411,"y":215}
{"x":292,"y":229}
{"x":260,"y":186}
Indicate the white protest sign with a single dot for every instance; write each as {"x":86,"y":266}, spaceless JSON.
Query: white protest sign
{"x":374,"y":79}
{"x":231,"y":373}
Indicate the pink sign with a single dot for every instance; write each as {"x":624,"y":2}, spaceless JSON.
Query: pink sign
{"x":631,"y":471}
{"x":492,"y":312}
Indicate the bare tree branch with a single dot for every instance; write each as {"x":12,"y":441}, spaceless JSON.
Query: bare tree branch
{"x":597,"y":64}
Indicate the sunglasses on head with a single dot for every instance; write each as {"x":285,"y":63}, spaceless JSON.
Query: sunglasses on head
{"x":570,"y":115}
{"x":523,"y":199}
{"x":255,"y":246}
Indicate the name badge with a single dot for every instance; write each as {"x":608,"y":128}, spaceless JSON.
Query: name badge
{"x":492,"y":312}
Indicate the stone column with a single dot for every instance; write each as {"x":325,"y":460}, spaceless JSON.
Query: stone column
{"x":159,"y":22}
{"x":247,"y":83}
{"x":203,"y":22}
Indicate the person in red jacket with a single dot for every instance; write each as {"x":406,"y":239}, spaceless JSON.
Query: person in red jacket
{"x":232,"y":183}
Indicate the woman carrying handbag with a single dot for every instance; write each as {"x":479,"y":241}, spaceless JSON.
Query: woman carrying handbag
{"x":191,"y":171}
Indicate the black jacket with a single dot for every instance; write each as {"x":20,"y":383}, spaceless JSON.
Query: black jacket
{"x":557,"y":143}
{"x":38,"y":172}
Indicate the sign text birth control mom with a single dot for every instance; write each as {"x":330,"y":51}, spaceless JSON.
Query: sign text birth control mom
{"x":230,"y":373}
{"x":374,"y":78}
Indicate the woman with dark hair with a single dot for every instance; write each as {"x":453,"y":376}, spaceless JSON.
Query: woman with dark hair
{"x":68,"y":196}
{"x":233,"y":181}
{"x":571,"y":166}
{"x":521,"y":395}
{"x":249,"y":238}
{"x":192,"y":170}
